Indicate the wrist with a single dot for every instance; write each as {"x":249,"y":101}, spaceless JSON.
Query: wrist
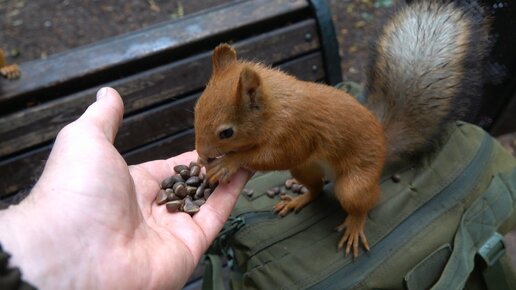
{"x":34,"y":249}
{"x":10,"y":219}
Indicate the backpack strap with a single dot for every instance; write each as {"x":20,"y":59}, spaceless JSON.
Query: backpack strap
{"x":212,"y":278}
{"x":476,"y":233}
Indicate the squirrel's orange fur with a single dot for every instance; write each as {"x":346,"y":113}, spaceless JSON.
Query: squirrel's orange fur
{"x":281,"y":123}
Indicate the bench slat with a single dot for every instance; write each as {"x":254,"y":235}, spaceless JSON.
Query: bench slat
{"x":163,"y":149}
{"x":154,"y":124}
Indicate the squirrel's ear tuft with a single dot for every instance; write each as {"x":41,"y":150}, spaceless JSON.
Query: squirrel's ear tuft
{"x":223,"y":56}
{"x":249,"y":87}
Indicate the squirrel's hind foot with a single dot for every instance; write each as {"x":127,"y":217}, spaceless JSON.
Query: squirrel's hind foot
{"x":353,"y":228}
{"x":288,"y":203}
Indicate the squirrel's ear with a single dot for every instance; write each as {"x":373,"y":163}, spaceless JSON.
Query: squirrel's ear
{"x":249,"y":87}
{"x":223,"y":56}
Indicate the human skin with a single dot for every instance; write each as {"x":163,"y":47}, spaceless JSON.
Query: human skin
{"x":91,"y":222}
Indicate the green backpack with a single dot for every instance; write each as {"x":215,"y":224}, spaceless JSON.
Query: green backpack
{"x":436,"y":227}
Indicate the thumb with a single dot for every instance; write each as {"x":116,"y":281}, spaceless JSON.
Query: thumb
{"x":106,"y":113}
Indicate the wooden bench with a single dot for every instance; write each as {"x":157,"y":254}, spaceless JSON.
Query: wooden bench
{"x":159,"y":71}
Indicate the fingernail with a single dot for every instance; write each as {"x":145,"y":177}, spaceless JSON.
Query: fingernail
{"x":101,"y":93}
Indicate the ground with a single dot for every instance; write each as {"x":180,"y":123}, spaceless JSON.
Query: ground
{"x":36,"y":29}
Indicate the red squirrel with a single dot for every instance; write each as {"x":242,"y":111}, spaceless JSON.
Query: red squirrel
{"x":426,"y":67}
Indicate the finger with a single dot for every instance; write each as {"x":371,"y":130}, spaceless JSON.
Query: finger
{"x":217,"y":208}
{"x":106,"y":113}
{"x":82,"y":142}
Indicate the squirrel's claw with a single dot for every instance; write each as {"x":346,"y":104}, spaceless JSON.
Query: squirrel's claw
{"x":353,"y":235}
{"x":288,"y":204}
{"x":283,"y":207}
{"x":221,"y":169}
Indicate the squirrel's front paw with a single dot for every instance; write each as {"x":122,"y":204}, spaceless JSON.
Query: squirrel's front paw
{"x":221,"y":169}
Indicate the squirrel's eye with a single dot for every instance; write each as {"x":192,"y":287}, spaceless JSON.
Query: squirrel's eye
{"x":226,"y":133}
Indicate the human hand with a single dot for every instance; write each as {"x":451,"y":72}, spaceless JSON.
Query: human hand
{"x":91,"y":221}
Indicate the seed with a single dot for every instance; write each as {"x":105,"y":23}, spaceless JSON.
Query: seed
{"x":296,"y":187}
{"x":187,"y":190}
{"x":191,"y":190}
{"x":180,"y":167}
{"x":161,"y":197}
{"x":180,"y":189}
{"x":276,"y":190}
{"x":173,"y":206}
{"x":270,"y":193}
{"x":200,"y":201}
{"x":289,"y":183}
{"x":207,"y":193}
{"x":171,"y":195}
{"x":193,"y":181}
{"x":192,"y":164}
{"x":303,"y":190}
{"x":169,"y":181}
{"x":177,"y":184}
{"x":185,"y":174}
{"x":248,"y":192}
{"x":199,"y":193}
{"x":189,"y":206}
{"x":396,"y":178}
{"x":195,"y":170}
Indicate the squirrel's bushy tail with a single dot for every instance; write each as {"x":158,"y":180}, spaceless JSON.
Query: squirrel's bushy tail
{"x":426,"y":70}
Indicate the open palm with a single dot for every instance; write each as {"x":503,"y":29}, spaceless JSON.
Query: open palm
{"x":96,"y":219}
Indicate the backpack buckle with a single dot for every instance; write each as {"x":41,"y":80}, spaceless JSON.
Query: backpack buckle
{"x":492,"y":250}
